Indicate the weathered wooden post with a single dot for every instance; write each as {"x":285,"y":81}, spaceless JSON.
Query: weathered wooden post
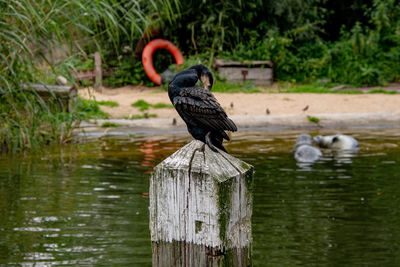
{"x":200,"y":209}
{"x":98,"y":75}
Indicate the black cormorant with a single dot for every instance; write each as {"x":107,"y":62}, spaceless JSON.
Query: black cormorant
{"x":205,"y":118}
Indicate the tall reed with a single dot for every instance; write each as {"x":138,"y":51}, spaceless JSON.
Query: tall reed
{"x":31,"y":32}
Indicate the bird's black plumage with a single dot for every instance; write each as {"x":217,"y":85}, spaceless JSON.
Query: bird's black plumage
{"x":205,"y":118}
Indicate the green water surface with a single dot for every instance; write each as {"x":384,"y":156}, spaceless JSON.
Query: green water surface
{"x":87,"y":203}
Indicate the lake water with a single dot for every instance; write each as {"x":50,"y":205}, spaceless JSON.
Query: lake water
{"x":87,"y":203}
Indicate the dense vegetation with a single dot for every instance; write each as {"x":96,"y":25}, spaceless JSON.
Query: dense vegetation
{"x":354,"y":42}
{"x":33,"y":34}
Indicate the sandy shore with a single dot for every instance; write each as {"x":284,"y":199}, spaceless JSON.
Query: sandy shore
{"x":262,"y":109}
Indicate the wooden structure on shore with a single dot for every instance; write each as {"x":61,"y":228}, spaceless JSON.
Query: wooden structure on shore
{"x":65,"y":94}
{"x":96,"y":74}
{"x":200,"y":209}
{"x":258,"y":71}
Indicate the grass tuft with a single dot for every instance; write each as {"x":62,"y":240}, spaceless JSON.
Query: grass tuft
{"x":313,"y":119}
{"x":226,"y":87}
{"x":110,"y":124}
{"x":162,"y":105}
{"x":313,"y":88}
{"x":89,"y":109}
{"x":382,"y":91}
{"x":143,"y":105}
{"x":108,"y":103}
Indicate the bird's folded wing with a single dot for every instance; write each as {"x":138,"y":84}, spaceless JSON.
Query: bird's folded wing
{"x":199,"y":107}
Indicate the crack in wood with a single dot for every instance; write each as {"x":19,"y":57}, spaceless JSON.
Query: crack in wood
{"x":232,"y":164}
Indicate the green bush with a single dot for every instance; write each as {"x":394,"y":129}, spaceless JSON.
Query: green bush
{"x":298,"y":36}
{"x":359,"y":57}
{"x":127,"y":71}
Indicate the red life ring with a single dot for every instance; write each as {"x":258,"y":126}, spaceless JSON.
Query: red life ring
{"x":147,"y":57}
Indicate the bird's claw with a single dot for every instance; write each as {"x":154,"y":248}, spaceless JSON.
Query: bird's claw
{"x":209,"y":143}
{"x":203,"y":148}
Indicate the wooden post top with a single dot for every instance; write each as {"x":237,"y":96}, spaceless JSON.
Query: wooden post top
{"x":199,"y":158}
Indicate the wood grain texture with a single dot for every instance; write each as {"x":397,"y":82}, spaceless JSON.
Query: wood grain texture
{"x":98,"y":84}
{"x":260,"y":76}
{"x":201,"y":198}
{"x":230,"y":63}
{"x":47,"y":89}
{"x":165,"y":254}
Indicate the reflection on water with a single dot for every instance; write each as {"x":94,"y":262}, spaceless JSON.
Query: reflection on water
{"x":88,"y":203}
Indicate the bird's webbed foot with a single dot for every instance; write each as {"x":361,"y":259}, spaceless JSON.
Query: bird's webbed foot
{"x":209,"y":143}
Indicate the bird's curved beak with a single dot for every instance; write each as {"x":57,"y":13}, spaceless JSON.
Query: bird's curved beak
{"x":207,"y":80}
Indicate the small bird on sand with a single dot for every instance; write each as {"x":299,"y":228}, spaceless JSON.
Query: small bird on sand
{"x":206,"y":120}
{"x":306,"y":107}
{"x":267,"y":111}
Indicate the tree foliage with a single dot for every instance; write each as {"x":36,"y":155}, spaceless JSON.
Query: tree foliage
{"x":353,"y":42}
